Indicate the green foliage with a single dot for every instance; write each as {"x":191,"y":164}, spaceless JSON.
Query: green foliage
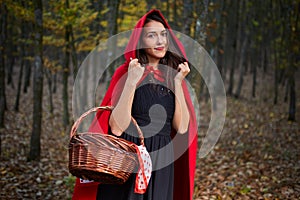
{"x":19,"y":11}
{"x":130,"y":12}
{"x":78,"y":15}
{"x":255,"y":23}
{"x":245,"y":190}
{"x":69,"y":181}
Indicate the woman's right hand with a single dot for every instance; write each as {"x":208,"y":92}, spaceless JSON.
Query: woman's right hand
{"x":135,"y":71}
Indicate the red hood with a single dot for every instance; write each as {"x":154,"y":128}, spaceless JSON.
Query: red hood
{"x":134,"y":38}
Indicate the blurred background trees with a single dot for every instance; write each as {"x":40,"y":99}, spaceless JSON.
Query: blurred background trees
{"x":43,"y":43}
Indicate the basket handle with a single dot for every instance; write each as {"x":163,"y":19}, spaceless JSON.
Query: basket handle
{"x":110,"y":108}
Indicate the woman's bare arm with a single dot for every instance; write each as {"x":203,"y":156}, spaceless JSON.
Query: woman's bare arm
{"x":181,"y":116}
{"x":121,"y":115}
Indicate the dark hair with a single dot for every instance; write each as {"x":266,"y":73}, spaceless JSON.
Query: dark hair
{"x":173,"y":55}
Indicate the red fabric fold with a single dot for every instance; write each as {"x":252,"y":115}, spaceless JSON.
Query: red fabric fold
{"x":157,"y":74}
{"x":144,"y":174}
{"x":185,"y":165}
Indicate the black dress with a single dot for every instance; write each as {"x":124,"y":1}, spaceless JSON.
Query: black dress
{"x":153,"y":109}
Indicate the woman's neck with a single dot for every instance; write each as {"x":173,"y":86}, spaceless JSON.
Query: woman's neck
{"x":154,"y":62}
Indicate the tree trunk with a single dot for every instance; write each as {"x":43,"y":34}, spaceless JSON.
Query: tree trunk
{"x":286,"y":93}
{"x":17,"y":102}
{"x":27,"y":71}
{"x":293,"y":58}
{"x":220,"y":39}
{"x":66,"y":116}
{"x":242,"y":67}
{"x":10,"y":61}
{"x":10,"y":52}
{"x":35,"y":146}
{"x":275,"y":100}
{"x":231,"y":43}
{"x":264,"y":58}
{"x":292,"y":105}
{"x":27,"y":52}
{"x":150,"y":4}
{"x":73,"y":53}
{"x":240,"y":33}
{"x":175,"y":16}
{"x":23,"y":50}
{"x":112,"y":30}
{"x":49,"y":80}
{"x":276,"y":52}
{"x":200,"y":36}
{"x":3,"y":24}
{"x":242,"y":46}
{"x":187,"y":19}
{"x":254,"y":76}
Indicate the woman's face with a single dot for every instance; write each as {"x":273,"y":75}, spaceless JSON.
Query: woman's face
{"x":155,"y":40}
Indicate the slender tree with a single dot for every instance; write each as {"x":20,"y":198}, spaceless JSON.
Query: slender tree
{"x":11,"y":46}
{"x":254,"y":72}
{"x":231,"y":43}
{"x":27,"y":28}
{"x":112,"y":29}
{"x":243,"y":47}
{"x":220,"y":36}
{"x":35,"y":143}
{"x":200,"y":7}
{"x":22,"y":57}
{"x":3,"y":24}
{"x":187,"y":19}
{"x":66,"y":70}
{"x":293,"y":55}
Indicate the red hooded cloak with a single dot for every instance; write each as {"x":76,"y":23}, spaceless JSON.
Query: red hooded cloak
{"x":184,"y":166}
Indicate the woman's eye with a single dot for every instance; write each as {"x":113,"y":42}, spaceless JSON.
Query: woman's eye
{"x":151,"y":35}
{"x":164,"y":34}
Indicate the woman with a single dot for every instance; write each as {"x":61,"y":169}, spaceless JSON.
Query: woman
{"x":152,"y":78}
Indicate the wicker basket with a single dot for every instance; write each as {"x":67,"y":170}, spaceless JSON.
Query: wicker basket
{"x":101,"y":157}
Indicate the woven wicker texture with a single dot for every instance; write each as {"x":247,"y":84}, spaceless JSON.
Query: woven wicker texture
{"x":101,"y":157}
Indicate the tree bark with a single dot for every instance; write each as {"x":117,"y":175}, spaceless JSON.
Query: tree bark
{"x":17,"y":102}
{"x":66,"y":116}
{"x":254,"y":76}
{"x":175,"y":14}
{"x":3,"y":24}
{"x":187,"y":19}
{"x":231,"y":43}
{"x":22,"y":57}
{"x":200,"y":36}
{"x":73,"y":53}
{"x":242,"y":46}
{"x":112,"y":30}
{"x":50,"y":92}
{"x":292,"y":104}
{"x":150,"y":4}
{"x":27,"y":70}
{"x":10,"y":50}
{"x":26,"y":52}
{"x":293,"y":58}
{"x":221,"y":39}
{"x":275,"y":100}
{"x":35,"y":146}
{"x":242,"y":67}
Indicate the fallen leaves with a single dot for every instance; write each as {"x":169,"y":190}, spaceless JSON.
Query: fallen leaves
{"x":45,"y":179}
{"x":256,"y":157}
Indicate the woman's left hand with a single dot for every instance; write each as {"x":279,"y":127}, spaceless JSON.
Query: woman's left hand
{"x":183,"y":71}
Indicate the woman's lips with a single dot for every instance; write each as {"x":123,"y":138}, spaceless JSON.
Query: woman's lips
{"x":159,"y":48}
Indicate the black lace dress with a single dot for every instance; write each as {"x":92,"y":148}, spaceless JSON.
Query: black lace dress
{"x":153,"y":109}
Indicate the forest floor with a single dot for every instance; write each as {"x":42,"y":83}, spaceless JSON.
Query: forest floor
{"x":256,"y":157}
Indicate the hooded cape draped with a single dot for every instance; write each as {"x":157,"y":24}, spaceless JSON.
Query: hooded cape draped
{"x":184,"y":166}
